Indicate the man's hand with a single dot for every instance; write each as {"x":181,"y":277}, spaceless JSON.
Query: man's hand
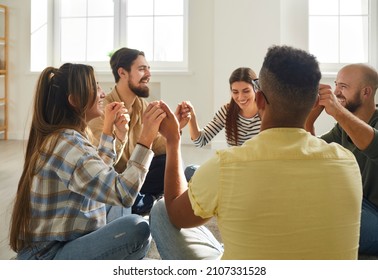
{"x":328,"y":100}
{"x":183,"y":113}
{"x":152,"y":118}
{"x":112,"y":114}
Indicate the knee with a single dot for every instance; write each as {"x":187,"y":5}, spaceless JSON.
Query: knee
{"x":189,"y":171}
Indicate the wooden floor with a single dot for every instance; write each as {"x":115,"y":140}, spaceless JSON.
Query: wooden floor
{"x":11,"y":163}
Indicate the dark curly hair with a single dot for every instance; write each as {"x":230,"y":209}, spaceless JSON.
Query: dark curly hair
{"x":290,"y":77}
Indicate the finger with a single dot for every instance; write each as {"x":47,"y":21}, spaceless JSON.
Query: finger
{"x":178,"y":109}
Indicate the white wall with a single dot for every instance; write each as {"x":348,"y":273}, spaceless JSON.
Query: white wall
{"x":223,"y":35}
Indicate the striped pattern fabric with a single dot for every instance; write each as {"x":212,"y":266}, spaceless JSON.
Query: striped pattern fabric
{"x":247,"y":128}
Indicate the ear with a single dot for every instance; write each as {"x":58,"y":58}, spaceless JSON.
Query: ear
{"x":71,"y":100}
{"x":260,"y":101}
{"x":122,"y":72}
{"x":367,"y":91}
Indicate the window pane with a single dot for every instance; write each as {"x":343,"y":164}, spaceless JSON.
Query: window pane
{"x":168,"y":39}
{"x":38,"y":14}
{"x":140,"y":35}
{"x":354,"y":7}
{"x":100,"y":38}
{"x":169,"y":7}
{"x":353,"y":39}
{"x":73,"y":8}
{"x":100,"y":8}
{"x":140,"y":7}
{"x":73,"y":40}
{"x":323,"y":39}
{"x":323,"y":7}
{"x":38,"y":49}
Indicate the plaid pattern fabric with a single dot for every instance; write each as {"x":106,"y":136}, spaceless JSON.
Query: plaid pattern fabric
{"x":69,"y":193}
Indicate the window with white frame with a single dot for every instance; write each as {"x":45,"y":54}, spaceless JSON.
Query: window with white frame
{"x":88,"y":31}
{"x":342,"y":32}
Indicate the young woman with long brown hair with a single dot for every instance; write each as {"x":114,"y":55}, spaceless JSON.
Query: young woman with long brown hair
{"x":239,"y":117}
{"x":60,"y":210}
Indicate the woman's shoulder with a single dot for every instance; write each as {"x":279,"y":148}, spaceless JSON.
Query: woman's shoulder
{"x":73,"y":138}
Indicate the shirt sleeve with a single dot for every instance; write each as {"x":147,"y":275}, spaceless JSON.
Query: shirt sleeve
{"x":204,"y":188}
{"x":92,"y":177}
{"x":212,"y":128}
{"x":333,"y":136}
{"x":372,"y":150}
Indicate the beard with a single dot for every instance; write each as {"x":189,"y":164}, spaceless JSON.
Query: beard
{"x":354,"y":104}
{"x":140,"y":91}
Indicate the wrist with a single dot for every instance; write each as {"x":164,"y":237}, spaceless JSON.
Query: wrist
{"x":120,"y":139}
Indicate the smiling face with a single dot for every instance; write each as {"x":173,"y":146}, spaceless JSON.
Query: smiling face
{"x":348,"y":88}
{"x":97,"y":108}
{"x":139,"y":76}
{"x":243,"y":95}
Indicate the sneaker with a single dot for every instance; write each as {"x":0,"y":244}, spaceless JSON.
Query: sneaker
{"x":143,"y":204}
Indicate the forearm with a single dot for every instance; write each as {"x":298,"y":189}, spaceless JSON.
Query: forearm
{"x":194,"y":129}
{"x":175,"y":184}
{"x":360,"y":133}
{"x":312,"y":117}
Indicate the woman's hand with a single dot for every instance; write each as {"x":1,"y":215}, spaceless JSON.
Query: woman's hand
{"x":115,"y":115}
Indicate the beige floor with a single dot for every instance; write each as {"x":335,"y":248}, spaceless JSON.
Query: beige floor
{"x":11,"y":162}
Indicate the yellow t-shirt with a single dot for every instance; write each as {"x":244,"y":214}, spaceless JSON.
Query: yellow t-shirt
{"x":284,"y":194}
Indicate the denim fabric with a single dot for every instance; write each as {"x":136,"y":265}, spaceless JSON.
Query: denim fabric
{"x":115,"y":212}
{"x":190,"y":170}
{"x":127,"y":237}
{"x":369,"y":229}
{"x":181,"y":244}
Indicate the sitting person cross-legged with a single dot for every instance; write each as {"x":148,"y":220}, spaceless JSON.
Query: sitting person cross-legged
{"x":284,"y":194}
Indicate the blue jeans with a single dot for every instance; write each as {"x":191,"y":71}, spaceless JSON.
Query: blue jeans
{"x":369,"y":229}
{"x":181,"y":244}
{"x":124,"y":238}
{"x":190,"y":170}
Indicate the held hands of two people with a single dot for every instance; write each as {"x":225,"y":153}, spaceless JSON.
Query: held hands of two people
{"x":184,"y":112}
{"x":326,"y":100}
{"x":152,"y":118}
{"x":170,"y":126}
{"x":158,"y":117}
{"x":331,"y":102}
{"x":116,"y":117}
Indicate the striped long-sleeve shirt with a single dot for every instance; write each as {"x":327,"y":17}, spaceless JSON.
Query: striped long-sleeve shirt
{"x":247,"y":128}
{"x":68,"y":194}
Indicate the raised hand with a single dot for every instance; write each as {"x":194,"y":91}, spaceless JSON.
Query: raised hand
{"x":121,"y":123}
{"x":170,"y":127}
{"x":183,"y":113}
{"x":113,"y":113}
{"x":152,"y":118}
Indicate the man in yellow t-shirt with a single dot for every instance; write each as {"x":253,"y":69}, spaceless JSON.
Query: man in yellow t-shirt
{"x":284,"y":194}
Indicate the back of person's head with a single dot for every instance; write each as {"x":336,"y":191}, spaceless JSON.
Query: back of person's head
{"x":242,"y":74}
{"x":289,"y":78}
{"x":123,"y":58}
{"x":52,"y":108}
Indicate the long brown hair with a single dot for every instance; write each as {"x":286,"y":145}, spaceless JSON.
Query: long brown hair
{"x":52,"y":113}
{"x":242,"y":74}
